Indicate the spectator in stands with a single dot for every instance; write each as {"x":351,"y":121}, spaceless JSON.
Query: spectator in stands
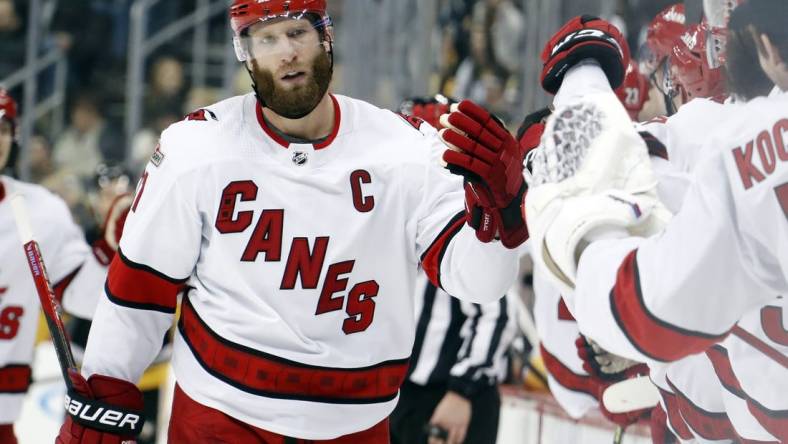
{"x":88,"y":141}
{"x":479,"y":77}
{"x":71,"y":189}
{"x":12,"y":38}
{"x":454,"y":22}
{"x":167,"y":91}
{"x":83,"y":32}
{"x":507,"y":34}
{"x":41,"y":163}
{"x":146,"y":139}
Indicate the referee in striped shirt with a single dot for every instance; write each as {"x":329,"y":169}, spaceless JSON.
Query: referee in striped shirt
{"x":458,"y":360}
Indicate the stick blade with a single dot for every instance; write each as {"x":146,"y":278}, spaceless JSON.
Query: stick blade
{"x":631,"y":394}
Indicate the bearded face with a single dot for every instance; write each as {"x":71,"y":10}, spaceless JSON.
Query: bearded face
{"x":293,"y":92}
{"x":290,"y":66}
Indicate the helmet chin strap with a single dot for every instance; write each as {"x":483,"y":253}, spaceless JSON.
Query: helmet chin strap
{"x":260,"y":98}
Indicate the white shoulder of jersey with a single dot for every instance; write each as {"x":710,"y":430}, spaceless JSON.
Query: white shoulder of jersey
{"x":203,"y":135}
{"x":415,"y":138}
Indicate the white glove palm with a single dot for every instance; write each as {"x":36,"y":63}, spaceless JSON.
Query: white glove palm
{"x":590,"y":178}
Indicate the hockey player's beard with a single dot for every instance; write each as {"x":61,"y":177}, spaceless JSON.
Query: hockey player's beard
{"x":300,"y":101}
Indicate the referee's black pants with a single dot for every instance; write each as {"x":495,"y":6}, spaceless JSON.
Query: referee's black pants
{"x":417,"y":403}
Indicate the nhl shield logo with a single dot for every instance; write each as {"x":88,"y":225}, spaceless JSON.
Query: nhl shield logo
{"x":300,"y":158}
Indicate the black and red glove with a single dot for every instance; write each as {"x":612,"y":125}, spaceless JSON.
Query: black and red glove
{"x":607,"y":369}
{"x":101,"y":410}
{"x":490,"y":159}
{"x":584,"y":37}
{"x":603,"y":365}
{"x":105,"y":247}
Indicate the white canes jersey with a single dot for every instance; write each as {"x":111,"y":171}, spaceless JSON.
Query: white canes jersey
{"x":686,"y":132}
{"x":63,"y":248}
{"x":722,"y":255}
{"x":752,"y":365}
{"x":298,"y":264}
{"x":728,"y":255}
{"x":572,"y":387}
{"x":692,"y":397}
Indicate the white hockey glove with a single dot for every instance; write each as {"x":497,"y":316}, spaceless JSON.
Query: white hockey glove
{"x":590,"y":179}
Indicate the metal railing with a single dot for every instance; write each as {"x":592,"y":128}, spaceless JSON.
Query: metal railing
{"x":142,"y":45}
{"x":27,"y":77}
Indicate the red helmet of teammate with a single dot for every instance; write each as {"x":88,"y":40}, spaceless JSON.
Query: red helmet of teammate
{"x":245,"y":13}
{"x":7,"y":107}
{"x":692,"y":67}
{"x":663,"y":33}
{"x":633,"y":93}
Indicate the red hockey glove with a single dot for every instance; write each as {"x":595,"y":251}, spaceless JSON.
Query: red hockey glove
{"x":106,"y":246}
{"x":101,"y":410}
{"x":584,"y":37}
{"x":428,"y":109}
{"x":491,"y":161}
{"x":606,"y":369}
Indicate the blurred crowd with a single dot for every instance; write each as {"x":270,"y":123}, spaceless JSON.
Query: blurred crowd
{"x":479,"y":56}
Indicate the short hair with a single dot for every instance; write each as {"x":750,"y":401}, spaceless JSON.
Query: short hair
{"x":743,"y":72}
{"x":765,"y":17}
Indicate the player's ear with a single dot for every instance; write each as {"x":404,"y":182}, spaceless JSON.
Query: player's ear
{"x":766,"y":49}
{"x":328,"y":40}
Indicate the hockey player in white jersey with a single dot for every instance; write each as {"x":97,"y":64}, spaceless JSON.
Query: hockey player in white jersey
{"x":692,"y":394}
{"x":295,"y":221}
{"x":724,"y":186}
{"x":73,"y":270}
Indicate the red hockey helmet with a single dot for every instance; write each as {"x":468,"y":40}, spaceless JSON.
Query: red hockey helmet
{"x":633,"y":93}
{"x":692,"y":67}
{"x":663,"y":33}
{"x":245,"y":13}
{"x":7,"y":106}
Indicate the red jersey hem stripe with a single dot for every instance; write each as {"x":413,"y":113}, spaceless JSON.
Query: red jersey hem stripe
{"x":262,"y":374}
{"x":15,"y":378}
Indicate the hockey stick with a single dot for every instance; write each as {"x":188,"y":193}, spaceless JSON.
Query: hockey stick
{"x":618,"y":436}
{"x":46,"y":295}
{"x":630,"y":394}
